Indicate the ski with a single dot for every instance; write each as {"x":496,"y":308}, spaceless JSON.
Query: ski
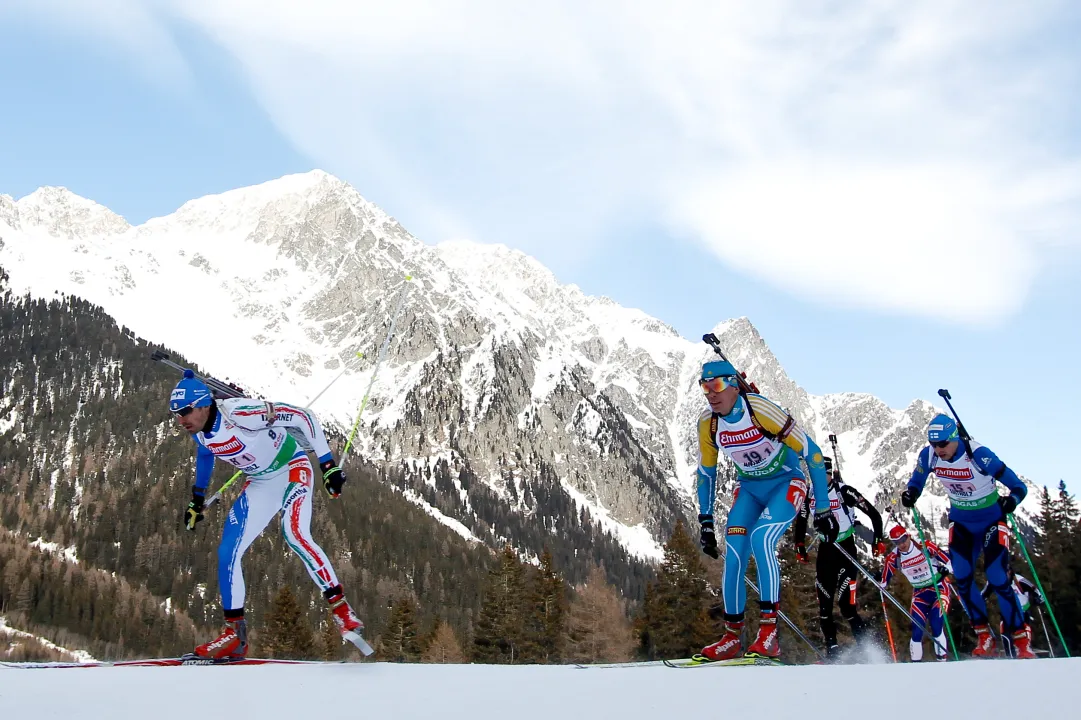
{"x":358,"y":640}
{"x":607,"y":666}
{"x":160,"y":662}
{"x":702,"y":661}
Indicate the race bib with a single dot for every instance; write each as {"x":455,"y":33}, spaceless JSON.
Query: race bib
{"x":755,"y":456}
{"x":243,"y":461}
{"x":960,"y":489}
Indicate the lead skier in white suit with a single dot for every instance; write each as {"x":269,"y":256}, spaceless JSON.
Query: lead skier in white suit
{"x":252,"y":436}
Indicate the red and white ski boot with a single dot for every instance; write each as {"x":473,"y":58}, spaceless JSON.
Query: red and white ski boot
{"x":1022,"y":644}
{"x":232,"y":644}
{"x":985,"y":643}
{"x":767,"y":643}
{"x":728,"y":647}
{"x":349,"y":625}
{"x":344,"y":617}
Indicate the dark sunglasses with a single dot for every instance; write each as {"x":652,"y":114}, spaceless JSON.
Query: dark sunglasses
{"x":185,"y":411}
{"x":941,"y":443}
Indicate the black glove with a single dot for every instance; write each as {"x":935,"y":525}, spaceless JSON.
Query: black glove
{"x":194,"y":512}
{"x":1007,"y":503}
{"x":826,"y":525}
{"x":333,"y":478}
{"x":909,"y":497}
{"x":707,"y":538}
{"x":801,"y":552}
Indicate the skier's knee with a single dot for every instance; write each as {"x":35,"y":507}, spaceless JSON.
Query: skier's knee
{"x":962,"y":577}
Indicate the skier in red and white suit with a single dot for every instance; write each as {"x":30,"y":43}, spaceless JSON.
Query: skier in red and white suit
{"x":261,"y":440}
{"x":907,"y":555}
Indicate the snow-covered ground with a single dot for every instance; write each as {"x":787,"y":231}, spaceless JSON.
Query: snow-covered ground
{"x":976,"y":689}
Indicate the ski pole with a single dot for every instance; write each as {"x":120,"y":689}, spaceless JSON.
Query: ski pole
{"x":225,"y":390}
{"x":786,"y":620}
{"x":885,"y":592}
{"x":382,"y":353}
{"x":889,"y":630}
{"x":965,"y":437}
{"x":379,"y":360}
{"x":836,"y":455}
{"x":1043,"y":622}
{"x":345,"y":368}
{"x":931,"y":567}
{"x":1036,"y":577}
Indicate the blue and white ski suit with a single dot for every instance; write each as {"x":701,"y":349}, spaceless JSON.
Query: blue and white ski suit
{"x":977,"y":524}
{"x":770,"y":491}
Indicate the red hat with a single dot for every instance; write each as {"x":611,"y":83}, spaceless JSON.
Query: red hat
{"x":897,"y":532}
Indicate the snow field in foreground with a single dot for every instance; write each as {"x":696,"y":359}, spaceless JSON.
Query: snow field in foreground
{"x":976,"y":689}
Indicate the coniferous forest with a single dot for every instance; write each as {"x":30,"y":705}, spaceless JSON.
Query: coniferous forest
{"x":94,"y":478}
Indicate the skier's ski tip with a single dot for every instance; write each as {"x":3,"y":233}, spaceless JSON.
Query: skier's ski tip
{"x":360,"y":642}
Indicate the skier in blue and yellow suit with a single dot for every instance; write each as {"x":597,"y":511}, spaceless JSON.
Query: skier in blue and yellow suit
{"x":765,"y":444}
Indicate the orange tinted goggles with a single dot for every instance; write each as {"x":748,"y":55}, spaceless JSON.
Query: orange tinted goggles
{"x":718,"y":384}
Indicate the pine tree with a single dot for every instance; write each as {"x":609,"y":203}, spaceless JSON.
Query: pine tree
{"x":597,"y":626}
{"x":443,"y":646}
{"x":285,"y":632}
{"x":400,"y":642}
{"x":674,"y":621}
{"x":545,"y":633}
{"x":1058,"y":560}
{"x":330,"y":639}
{"x":498,"y":634}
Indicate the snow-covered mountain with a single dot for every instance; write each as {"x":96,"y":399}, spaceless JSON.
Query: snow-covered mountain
{"x":499,"y":375}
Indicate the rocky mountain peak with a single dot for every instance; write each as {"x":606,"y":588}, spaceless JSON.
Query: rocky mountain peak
{"x":504,"y":391}
{"x":63,"y":214}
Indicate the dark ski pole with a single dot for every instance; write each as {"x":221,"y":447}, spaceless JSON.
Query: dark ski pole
{"x":836,"y":455}
{"x":867,"y":573}
{"x":1043,"y":622}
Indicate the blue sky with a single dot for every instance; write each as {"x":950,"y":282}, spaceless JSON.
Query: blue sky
{"x":890,"y":191}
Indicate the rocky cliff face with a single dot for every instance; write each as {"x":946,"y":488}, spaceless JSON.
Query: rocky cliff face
{"x":511,"y":404}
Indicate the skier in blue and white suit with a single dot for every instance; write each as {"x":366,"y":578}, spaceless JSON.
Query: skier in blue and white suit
{"x":977,"y":524}
{"x":766,"y":445}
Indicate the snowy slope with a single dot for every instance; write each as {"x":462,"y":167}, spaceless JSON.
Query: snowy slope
{"x":11,"y":638}
{"x":499,"y":371}
{"x":1007,"y":689}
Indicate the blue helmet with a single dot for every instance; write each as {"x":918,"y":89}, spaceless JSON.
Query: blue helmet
{"x":190,"y":392}
{"x":942,"y":428}
{"x":718,"y":368}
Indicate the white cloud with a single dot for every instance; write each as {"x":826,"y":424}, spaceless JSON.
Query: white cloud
{"x":921,"y":147}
